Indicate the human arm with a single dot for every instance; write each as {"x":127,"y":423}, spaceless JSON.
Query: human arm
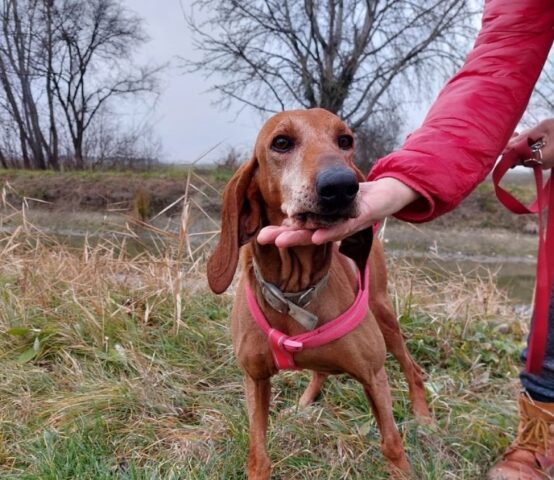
{"x":465,"y":130}
{"x":475,"y":114}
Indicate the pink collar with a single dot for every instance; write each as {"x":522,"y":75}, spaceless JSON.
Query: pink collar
{"x":283,"y":347}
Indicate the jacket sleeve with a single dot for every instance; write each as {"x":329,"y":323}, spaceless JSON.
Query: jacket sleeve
{"x":475,"y":114}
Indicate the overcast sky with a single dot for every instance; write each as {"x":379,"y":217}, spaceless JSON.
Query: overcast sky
{"x":184,"y":118}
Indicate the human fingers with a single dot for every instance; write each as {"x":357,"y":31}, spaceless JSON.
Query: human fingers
{"x":284,"y":236}
{"x":268,"y":234}
{"x":336,"y":233}
{"x":543,"y":132}
{"x":516,"y":138}
{"x":294,"y":238}
{"x":377,"y":200}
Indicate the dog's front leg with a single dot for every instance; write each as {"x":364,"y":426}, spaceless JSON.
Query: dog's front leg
{"x":378,"y":393}
{"x":258,"y":393}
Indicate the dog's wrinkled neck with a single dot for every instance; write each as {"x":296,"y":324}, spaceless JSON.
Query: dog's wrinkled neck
{"x":293,"y":269}
{"x":290,"y":269}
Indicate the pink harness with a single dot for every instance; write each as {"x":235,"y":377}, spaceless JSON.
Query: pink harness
{"x":283,"y":347}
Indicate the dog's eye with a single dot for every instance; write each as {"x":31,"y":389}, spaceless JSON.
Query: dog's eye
{"x":282,"y":144}
{"x":345,"y":142}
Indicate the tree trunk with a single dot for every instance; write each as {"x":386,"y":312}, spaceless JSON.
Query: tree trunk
{"x":3,"y":160}
{"x":78,"y":151}
{"x":53,"y":150}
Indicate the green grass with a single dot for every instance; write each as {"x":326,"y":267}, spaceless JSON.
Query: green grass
{"x":160,"y":171}
{"x":100,"y":380}
{"x":215,"y":174}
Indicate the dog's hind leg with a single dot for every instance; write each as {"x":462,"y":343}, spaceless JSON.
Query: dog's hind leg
{"x":313,"y":389}
{"x":381,"y":306}
{"x":396,"y":345}
{"x":258,"y":394}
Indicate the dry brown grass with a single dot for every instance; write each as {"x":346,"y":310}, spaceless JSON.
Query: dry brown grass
{"x":116,"y":363}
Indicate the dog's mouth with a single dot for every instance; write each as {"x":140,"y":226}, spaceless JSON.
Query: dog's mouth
{"x":313,"y":220}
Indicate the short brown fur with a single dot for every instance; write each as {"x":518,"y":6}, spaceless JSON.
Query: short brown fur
{"x":265,"y":191}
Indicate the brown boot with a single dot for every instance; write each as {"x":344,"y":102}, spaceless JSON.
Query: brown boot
{"x":531,"y":456}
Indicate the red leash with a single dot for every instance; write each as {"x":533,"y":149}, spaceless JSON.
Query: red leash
{"x":545,"y":259}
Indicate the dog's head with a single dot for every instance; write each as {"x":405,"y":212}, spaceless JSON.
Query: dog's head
{"x":306,"y":158}
{"x":301,"y":173}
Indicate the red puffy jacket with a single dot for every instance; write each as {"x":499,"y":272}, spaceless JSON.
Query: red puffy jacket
{"x":476,"y":112}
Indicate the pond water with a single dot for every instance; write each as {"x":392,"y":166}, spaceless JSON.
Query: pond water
{"x":510,"y":256}
{"x":515,"y":276}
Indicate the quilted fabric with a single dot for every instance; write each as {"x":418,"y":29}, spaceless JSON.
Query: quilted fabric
{"x":475,"y":114}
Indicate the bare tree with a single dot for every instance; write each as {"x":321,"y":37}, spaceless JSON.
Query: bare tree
{"x":377,"y":137}
{"x":109,"y":144}
{"x":93,"y":63}
{"x":542,"y":101}
{"x":20,"y":24}
{"x":61,"y":62}
{"x":342,"y":55}
{"x":47,"y":53}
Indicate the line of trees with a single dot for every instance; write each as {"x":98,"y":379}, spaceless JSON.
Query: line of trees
{"x":363,"y":60}
{"x":62,"y":65}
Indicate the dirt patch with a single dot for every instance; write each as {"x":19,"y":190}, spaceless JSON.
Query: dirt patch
{"x":65,"y":192}
{"x":482,"y":210}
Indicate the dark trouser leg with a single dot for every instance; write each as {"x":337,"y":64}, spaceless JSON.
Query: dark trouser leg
{"x":541,"y":387}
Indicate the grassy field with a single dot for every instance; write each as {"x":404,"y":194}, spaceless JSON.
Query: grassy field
{"x":118,"y":365}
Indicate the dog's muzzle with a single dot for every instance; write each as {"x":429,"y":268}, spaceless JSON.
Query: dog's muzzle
{"x":336,"y":189}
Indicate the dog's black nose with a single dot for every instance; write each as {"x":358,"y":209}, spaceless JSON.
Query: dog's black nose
{"x":336,"y":188}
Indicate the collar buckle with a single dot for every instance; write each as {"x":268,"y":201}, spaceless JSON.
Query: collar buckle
{"x":292,"y":304}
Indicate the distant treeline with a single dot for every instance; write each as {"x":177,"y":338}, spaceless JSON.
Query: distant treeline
{"x":62,"y":65}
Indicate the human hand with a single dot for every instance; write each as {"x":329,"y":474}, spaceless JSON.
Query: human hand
{"x":544,"y":131}
{"x":377,"y":200}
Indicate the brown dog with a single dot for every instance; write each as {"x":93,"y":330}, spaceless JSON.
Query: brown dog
{"x":302,"y":173}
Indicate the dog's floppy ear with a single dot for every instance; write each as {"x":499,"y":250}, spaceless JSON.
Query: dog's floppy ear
{"x":240,"y":220}
{"x":358,"y":245}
